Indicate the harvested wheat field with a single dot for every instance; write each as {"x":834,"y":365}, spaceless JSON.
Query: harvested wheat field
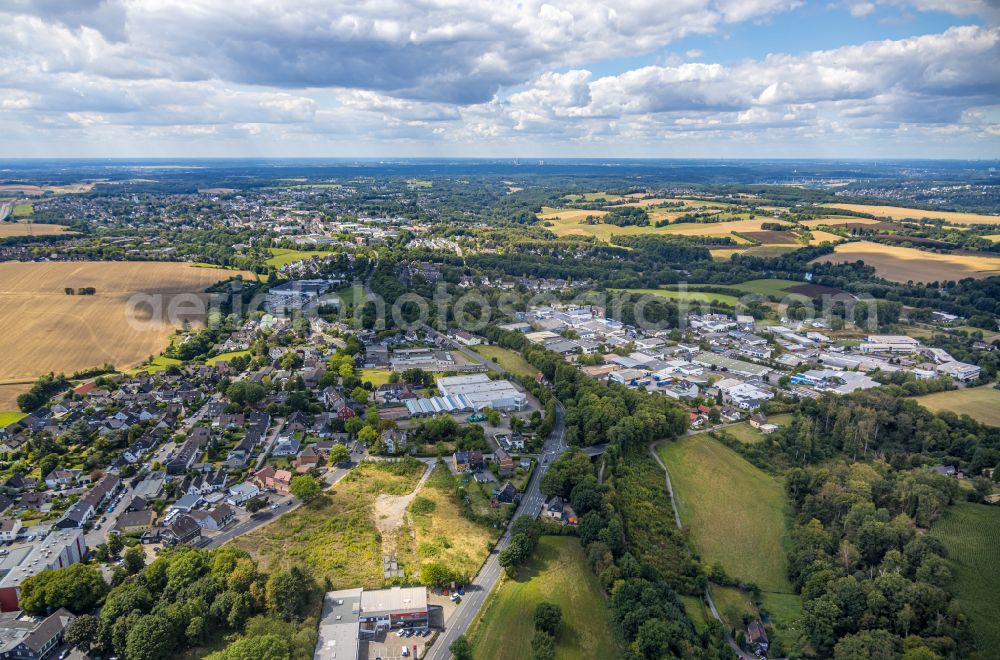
{"x":902,"y":213}
{"x":819,"y":236}
{"x":717,"y":228}
{"x":902,"y":264}
{"x":10,"y":229}
{"x":576,"y":215}
{"x":43,"y":329}
{"x":838,"y":221}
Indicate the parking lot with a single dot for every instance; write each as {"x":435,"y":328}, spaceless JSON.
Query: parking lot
{"x":389,"y":646}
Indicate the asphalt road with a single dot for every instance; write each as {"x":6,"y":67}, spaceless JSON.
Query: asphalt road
{"x":531,"y":504}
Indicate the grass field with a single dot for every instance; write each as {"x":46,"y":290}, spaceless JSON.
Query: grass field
{"x":557,"y":573}
{"x":225,"y":357}
{"x":334,"y":536}
{"x":971,"y":532}
{"x":980,"y":403}
{"x":732,"y":604}
{"x":697,"y":611}
{"x":282,"y":257}
{"x":46,"y":330}
{"x":12,"y":229}
{"x":507,"y":359}
{"x":735,"y":511}
{"x":11,"y":416}
{"x":159,"y":363}
{"x":769,"y":287}
{"x":902,"y":213}
{"x":592,"y":197}
{"x":902,"y":264}
{"x":696,"y":296}
{"x":441,"y":534}
{"x":375,"y":376}
{"x":23,"y":210}
{"x":834,"y":221}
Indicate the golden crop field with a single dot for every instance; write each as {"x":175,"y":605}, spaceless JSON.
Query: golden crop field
{"x":819,"y":236}
{"x":842,"y":220}
{"x":902,"y":213}
{"x":43,"y":329}
{"x":902,"y":264}
{"x":9,"y":229}
{"x":37,"y":191}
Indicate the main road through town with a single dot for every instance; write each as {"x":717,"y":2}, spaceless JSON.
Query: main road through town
{"x":531,"y":505}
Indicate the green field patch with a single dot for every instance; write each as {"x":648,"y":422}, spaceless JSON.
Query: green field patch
{"x":980,"y":403}
{"x":507,"y":359}
{"x":971,"y":532}
{"x":225,"y":357}
{"x":558,"y":573}
{"x":22,"y":210}
{"x":282,"y":256}
{"x":735,"y":511}
{"x":10,"y":416}
{"x":697,"y":611}
{"x":592,"y":197}
{"x":159,"y":363}
{"x":691,"y":296}
{"x":375,"y":376}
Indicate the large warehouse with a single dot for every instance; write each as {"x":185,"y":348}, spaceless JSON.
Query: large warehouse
{"x":482,"y":392}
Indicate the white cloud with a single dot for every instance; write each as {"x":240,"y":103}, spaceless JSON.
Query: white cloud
{"x":470,"y":73}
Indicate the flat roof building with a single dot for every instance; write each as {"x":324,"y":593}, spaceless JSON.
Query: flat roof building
{"x":58,"y":550}
{"x":350,"y":615}
{"x":481,"y":392}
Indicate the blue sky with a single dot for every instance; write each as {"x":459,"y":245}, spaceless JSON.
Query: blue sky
{"x":690,"y":78}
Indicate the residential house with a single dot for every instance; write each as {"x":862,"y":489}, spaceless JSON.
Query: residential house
{"x":286,"y":445}
{"x":505,"y":464}
{"x":9,"y":528}
{"x":506,"y":494}
{"x":131,"y":522}
{"x":32,"y":638}
{"x":216,"y":519}
{"x":394,"y":440}
{"x":182,"y":529}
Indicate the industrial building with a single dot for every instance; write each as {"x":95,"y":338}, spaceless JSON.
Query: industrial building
{"x":352,"y":615}
{"x":482,"y":392}
{"x":294,"y":296}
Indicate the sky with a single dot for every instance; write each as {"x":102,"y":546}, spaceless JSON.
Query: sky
{"x":500,"y":78}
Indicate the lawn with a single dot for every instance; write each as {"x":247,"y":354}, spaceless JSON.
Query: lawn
{"x":158,"y":364}
{"x":282,"y":257}
{"x":375,"y":376}
{"x":225,"y":357}
{"x":735,"y":511}
{"x":507,"y":359}
{"x":693,"y":296}
{"x":11,"y":416}
{"x":980,"y":403}
{"x":22,"y":210}
{"x":334,"y":536}
{"x":558,"y":573}
{"x":971,"y":532}
{"x":442,"y":534}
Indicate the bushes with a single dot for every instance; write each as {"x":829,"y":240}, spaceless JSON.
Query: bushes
{"x":44,"y":389}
